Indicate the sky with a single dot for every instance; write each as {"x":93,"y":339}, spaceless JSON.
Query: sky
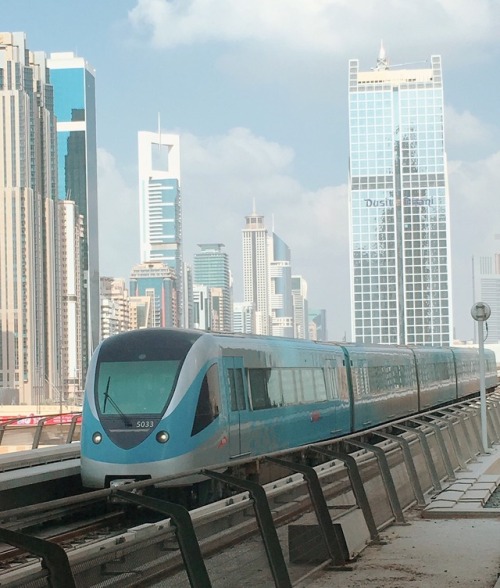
{"x":257,"y":92}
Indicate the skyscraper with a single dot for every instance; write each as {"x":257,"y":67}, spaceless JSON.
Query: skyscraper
{"x":160,"y":206}
{"x":398,"y":205}
{"x":256,"y":270}
{"x":211,"y":268}
{"x":73,"y":80}
{"x":30,"y":325}
{"x":486,"y":283}
{"x":157,"y":281}
{"x":300,"y":308}
{"x":281,"y":300}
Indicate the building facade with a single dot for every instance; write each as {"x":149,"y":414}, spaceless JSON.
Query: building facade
{"x":399,"y":205}
{"x":256,"y":270}
{"x":317,"y":325}
{"x":300,"y":308}
{"x":115,"y":306}
{"x":280,"y":289}
{"x":157,"y":281}
{"x":486,"y":283}
{"x":160,"y":206}
{"x":244,"y":318}
{"x":30,"y":297}
{"x":73,"y":81}
{"x":211,"y":268}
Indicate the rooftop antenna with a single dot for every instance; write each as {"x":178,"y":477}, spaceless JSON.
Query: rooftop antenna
{"x":253,"y":207}
{"x":383,"y":61}
{"x":272,"y":222}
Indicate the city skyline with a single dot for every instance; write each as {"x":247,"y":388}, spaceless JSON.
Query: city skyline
{"x":274,"y":128}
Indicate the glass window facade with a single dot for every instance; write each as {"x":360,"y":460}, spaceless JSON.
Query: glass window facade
{"x":399,"y":211}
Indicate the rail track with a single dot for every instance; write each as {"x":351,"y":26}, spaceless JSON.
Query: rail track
{"x":122,"y":555}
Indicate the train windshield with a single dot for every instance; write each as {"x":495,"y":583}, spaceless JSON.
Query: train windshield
{"x":137,"y":371}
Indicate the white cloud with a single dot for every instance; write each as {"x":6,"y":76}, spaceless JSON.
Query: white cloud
{"x":118,"y":219}
{"x":316,"y":25}
{"x":465,"y":131}
{"x":474,"y":197}
{"x":223,"y":175}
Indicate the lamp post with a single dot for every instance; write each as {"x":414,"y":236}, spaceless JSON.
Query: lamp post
{"x":481,"y":312}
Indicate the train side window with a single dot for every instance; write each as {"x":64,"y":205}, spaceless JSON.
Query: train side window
{"x":319,"y":384}
{"x":307,"y":385}
{"x":288,"y":386}
{"x":258,"y":388}
{"x":237,"y":389}
{"x":207,"y":409}
{"x":274,"y":388}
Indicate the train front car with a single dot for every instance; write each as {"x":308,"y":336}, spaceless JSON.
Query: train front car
{"x":147,"y":393}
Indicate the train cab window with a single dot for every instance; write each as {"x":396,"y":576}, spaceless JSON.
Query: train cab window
{"x":133,"y":387}
{"x":207,"y":409}
{"x":258,"y":388}
{"x":237,"y":388}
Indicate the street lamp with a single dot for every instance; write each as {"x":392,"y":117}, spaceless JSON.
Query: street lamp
{"x":481,"y":312}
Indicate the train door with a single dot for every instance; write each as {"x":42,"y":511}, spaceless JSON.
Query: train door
{"x":238,"y":407}
{"x":340,"y":418}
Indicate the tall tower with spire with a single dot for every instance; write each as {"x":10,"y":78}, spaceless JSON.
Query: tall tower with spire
{"x":160,"y":207}
{"x":399,"y":205}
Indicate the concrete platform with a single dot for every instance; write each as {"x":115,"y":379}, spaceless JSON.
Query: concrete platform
{"x":452,"y":542}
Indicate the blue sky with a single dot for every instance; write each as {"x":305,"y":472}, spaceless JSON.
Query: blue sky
{"x":258,"y":93}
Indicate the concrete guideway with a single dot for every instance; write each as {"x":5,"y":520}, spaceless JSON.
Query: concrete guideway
{"x":452,"y":543}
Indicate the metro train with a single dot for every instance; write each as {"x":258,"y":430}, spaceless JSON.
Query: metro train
{"x":167,"y":401}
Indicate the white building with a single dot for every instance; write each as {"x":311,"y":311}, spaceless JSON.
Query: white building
{"x":160,"y":205}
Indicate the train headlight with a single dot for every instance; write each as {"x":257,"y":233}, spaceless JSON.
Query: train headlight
{"x":97,"y":438}
{"x":162,"y":436}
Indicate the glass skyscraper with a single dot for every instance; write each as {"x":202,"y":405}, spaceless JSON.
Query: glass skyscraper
{"x":211,"y":268}
{"x":73,"y":80}
{"x":398,"y":205}
{"x":160,"y":206}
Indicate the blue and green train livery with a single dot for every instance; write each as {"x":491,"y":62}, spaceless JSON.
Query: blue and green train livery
{"x":161,"y":402}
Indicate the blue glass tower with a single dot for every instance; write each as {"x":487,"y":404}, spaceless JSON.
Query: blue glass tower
{"x":73,"y":80}
{"x":160,"y":206}
{"x":211,"y":268}
{"x":398,"y":204}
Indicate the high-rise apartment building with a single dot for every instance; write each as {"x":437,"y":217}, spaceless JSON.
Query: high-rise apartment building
{"x":243,"y":317}
{"x":160,"y":206}
{"x":30,"y":324}
{"x":486,"y":283}
{"x":280,"y":291}
{"x":398,"y":205}
{"x":157,"y":281}
{"x":73,"y":81}
{"x":211,"y":268}
{"x":115,"y":306}
{"x":300,"y":308}
{"x":256,"y":270}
